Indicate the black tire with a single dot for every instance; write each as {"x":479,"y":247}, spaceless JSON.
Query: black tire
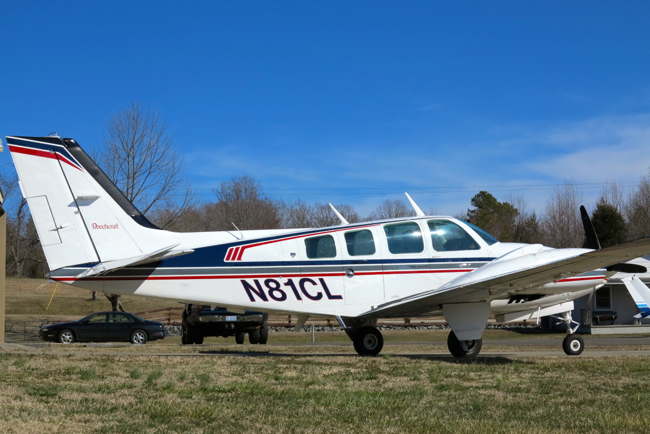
{"x":463,"y":350}
{"x":573,"y":345}
{"x":254,"y":337}
{"x":185,"y":336}
{"x":139,"y":337}
{"x":368,"y":341}
{"x":198,"y":339}
{"x":240,"y":337}
{"x":264,"y":333}
{"x":66,"y":336}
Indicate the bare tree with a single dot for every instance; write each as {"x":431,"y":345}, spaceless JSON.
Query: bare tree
{"x":138,"y":156}
{"x":390,"y":209}
{"x":637,"y":210}
{"x":241,"y":201}
{"x":526,"y":225}
{"x":561,"y":224}
{"x":301,"y":215}
{"x":613,"y":194}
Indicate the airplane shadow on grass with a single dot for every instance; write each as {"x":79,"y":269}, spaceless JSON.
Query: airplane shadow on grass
{"x":480,"y":360}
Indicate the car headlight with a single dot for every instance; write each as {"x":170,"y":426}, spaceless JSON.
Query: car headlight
{"x":44,"y":330}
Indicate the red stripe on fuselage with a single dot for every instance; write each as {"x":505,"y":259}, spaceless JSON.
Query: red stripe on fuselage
{"x":254,"y":276}
{"x":41,"y":153}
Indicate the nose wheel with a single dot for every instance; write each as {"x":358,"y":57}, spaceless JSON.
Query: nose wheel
{"x":573,"y":345}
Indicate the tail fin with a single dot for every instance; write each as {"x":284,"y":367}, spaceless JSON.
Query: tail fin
{"x":640,"y":293}
{"x":81,"y":217}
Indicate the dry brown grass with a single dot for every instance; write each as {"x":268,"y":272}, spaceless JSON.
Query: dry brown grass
{"x":28,"y":299}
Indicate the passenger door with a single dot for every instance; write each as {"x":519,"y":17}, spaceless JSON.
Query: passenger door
{"x":93,"y":329}
{"x":119,"y":327}
{"x":364,"y":280}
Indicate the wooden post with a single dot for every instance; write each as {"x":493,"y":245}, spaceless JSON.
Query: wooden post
{"x":3,"y":259}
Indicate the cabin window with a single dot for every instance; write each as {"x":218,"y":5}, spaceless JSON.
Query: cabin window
{"x":404,"y":238}
{"x":603,"y":298}
{"x":360,"y":243}
{"x":447,"y":236}
{"x":320,"y":247}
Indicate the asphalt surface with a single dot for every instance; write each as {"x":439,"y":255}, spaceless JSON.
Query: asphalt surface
{"x":516,"y":348}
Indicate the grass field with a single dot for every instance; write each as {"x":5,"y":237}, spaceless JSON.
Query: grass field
{"x":102,"y":394}
{"x":230,"y":388}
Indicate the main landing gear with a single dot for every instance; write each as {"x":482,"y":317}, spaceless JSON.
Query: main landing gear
{"x":573,"y":344}
{"x":367,"y":340}
{"x":463,"y":350}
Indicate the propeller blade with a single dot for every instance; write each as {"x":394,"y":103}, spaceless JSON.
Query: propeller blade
{"x":627,"y":268}
{"x":590,"y":232}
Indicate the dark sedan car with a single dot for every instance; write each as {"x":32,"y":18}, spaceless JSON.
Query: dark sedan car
{"x":104,"y":327}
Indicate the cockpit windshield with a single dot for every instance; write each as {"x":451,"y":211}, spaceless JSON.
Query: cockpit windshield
{"x":447,"y":236}
{"x":489,"y":239}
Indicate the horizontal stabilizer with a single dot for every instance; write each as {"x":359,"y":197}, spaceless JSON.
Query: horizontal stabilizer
{"x":640,"y":293}
{"x":158,"y":255}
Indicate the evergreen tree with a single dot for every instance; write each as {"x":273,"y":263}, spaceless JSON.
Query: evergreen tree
{"x":497,"y":218}
{"x":609,"y":224}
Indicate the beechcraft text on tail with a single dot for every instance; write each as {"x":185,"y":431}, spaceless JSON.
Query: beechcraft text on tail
{"x":94,"y":238}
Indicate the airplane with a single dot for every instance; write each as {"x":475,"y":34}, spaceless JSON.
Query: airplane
{"x":93,"y":237}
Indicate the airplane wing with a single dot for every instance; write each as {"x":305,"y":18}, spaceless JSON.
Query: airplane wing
{"x":505,"y":278}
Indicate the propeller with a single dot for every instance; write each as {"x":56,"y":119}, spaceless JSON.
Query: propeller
{"x":590,"y":232}
{"x":593,"y":243}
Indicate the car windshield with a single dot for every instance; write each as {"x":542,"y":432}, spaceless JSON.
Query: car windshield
{"x":86,"y":318}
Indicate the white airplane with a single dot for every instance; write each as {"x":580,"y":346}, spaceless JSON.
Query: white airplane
{"x":94,"y":238}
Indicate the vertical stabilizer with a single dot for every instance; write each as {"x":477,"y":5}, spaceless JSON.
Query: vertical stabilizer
{"x":80,"y":215}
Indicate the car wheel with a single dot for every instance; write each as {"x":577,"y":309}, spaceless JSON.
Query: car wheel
{"x":254,"y":337}
{"x":139,"y":337}
{"x":240,"y":337}
{"x":66,"y":336}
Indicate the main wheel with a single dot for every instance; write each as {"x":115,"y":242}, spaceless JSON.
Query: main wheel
{"x":240,"y":337}
{"x":368,"y":341}
{"x":264,"y":333}
{"x":254,"y":337}
{"x":139,"y":337}
{"x":573,"y":345}
{"x":66,"y":336}
{"x":463,"y":349}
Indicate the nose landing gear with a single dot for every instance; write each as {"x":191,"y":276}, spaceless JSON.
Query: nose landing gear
{"x":573,"y":345}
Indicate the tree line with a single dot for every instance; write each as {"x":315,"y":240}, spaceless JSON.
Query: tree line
{"x":138,"y":155}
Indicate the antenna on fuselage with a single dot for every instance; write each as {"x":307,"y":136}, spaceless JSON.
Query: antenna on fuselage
{"x":338,"y":214}
{"x":418,"y":211}
{"x":240,"y":233}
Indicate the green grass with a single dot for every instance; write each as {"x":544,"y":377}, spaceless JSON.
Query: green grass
{"x":322,"y":395}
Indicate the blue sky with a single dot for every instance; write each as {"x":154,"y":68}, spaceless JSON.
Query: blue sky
{"x":348,"y":102}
